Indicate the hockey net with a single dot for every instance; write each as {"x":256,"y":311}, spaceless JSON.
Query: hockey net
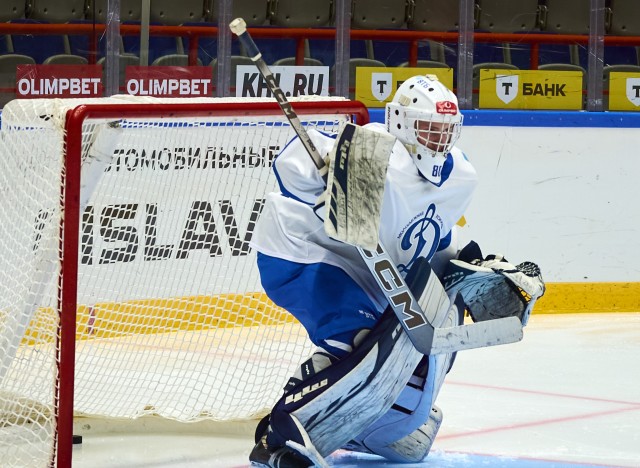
{"x":127,"y":285}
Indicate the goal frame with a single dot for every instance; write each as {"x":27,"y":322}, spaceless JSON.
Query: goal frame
{"x":70,"y":221}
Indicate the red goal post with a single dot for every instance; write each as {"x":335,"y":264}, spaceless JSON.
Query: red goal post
{"x":125,"y":272}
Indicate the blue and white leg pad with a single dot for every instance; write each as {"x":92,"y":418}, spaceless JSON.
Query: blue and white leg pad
{"x":345,"y":398}
{"x":350,"y":395}
{"x":406,"y":432}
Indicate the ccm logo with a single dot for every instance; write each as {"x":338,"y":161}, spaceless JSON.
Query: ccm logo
{"x":446,"y":107}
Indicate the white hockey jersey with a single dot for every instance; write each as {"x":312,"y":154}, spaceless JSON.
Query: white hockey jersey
{"x":416,"y":214}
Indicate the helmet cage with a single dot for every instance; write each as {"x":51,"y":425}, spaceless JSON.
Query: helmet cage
{"x":435,"y":134}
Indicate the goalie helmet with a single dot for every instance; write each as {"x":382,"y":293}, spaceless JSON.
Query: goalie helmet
{"x":424,"y":116}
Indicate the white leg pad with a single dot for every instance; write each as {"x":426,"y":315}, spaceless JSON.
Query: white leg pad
{"x":405,"y":433}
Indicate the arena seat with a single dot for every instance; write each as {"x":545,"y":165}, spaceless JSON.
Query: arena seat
{"x":354,"y":63}
{"x":56,"y":11}
{"x":301,"y":13}
{"x":254,"y":12}
{"x":124,"y":60}
{"x":130,"y":10}
{"x":436,"y":15}
{"x":235,"y":61}
{"x":566,"y":17}
{"x":37,"y":46}
{"x":506,"y":16}
{"x":174,"y":60}
{"x":307,"y":61}
{"x":8,"y":64}
{"x":172,"y":12}
{"x":624,"y":20}
{"x":65,"y":59}
{"x":426,"y":64}
{"x":378,"y":14}
{"x":11,"y":10}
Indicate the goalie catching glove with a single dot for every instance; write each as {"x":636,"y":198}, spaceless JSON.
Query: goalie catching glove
{"x":492,"y":287}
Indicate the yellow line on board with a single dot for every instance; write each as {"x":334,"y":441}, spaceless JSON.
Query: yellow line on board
{"x":562,"y":298}
{"x":152,"y":316}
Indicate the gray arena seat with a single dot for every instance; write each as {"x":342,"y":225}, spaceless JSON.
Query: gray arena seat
{"x":8,"y":64}
{"x":378,"y":14}
{"x":566,"y":17}
{"x":354,"y":63}
{"x":254,"y":12}
{"x":625,"y":18}
{"x":174,"y":60}
{"x":56,"y":11}
{"x":175,"y":12}
{"x":12,"y":9}
{"x":301,"y":13}
{"x":507,"y":16}
{"x":434,"y":15}
{"x":130,"y":10}
{"x":65,"y":59}
{"x":235,"y":61}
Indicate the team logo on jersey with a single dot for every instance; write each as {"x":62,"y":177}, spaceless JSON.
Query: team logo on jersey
{"x":423,"y":236}
{"x":381,"y":85}
{"x":633,"y":90}
{"x":507,"y":87}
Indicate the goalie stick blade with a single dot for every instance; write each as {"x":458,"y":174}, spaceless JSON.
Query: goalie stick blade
{"x":477,"y":335}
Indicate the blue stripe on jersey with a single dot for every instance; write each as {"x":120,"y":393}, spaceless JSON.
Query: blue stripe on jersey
{"x":284,"y":190}
{"x":281,"y":185}
{"x":444,"y":242}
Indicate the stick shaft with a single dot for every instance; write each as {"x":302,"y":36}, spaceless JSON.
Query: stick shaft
{"x":247,"y":41}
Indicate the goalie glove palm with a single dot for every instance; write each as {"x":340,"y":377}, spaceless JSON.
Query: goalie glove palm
{"x":494,"y":288}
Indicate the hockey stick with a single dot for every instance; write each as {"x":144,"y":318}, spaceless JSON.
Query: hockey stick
{"x":425,"y":337}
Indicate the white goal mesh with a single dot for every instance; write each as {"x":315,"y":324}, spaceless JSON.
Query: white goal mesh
{"x":171,"y":319}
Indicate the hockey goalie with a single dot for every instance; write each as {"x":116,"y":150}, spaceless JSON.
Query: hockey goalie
{"x":366,"y":388}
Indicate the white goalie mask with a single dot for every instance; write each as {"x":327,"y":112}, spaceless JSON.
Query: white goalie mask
{"x":424,"y":115}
